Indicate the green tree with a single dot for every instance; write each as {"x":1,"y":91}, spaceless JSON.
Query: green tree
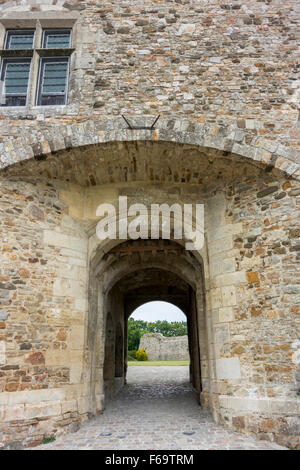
{"x":168,"y":329}
{"x":136,"y":329}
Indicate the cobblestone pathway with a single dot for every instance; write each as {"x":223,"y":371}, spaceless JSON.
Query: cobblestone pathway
{"x":156,"y":410}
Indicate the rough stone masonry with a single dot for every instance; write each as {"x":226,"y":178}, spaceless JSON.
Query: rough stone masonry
{"x":161,"y":348}
{"x":224,"y":78}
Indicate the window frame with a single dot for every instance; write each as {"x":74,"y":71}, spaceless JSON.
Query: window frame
{"x":3,"y":72}
{"x":17,"y":32}
{"x":47,"y":30}
{"x":38,"y":22}
{"x":40,"y":80}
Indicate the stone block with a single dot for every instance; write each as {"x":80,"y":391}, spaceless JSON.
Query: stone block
{"x":228,"y":368}
{"x":3,"y":315}
{"x":76,"y":366}
{"x":228,"y":265}
{"x":32,"y":396}
{"x":186,"y":29}
{"x":229,"y":279}
{"x":42,"y":410}
{"x":69,"y":288}
{"x":77,"y":337}
{"x":296,"y":358}
{"x":75,"y":201}
{"x":228,"y":296}
{"x":284,"y":406}
{"x":14,"y":413}
{"x":2,"y":352}
{"x":223,"y":244}
{"x":222,"y":334}
{"x":81,"y":304}
{"x":239,"y":422}
{"x":69,"y":406}
{"x":293,"y":425}
{"x":226,"y":314}
{"x":57,"y":358}
{"x":83,"y":405}
{"x":61,"y":240}
{"x":216,"y":298}
{"x":224,"y":231}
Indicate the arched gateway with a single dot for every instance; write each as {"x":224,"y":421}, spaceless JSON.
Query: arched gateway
{"x":66,"y":295}
{"x":224,"y":78}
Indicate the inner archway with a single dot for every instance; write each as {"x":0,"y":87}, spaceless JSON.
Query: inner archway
{"x":169,"y":275}
{"x":161,"y":329}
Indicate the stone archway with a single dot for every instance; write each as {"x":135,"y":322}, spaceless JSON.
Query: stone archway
{"x":209,"y":137}
{"x":161,"y":272}
{"x":250,"y":251}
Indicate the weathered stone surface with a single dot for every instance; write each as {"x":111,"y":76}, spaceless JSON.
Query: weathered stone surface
{"x":228,"y":368}
{"x":161,"y":348}
{"x":206,"y":84}
{"x":36,"y":358}
{"x":227,"y":137}
{"x":191,"y":427}
{"x":3,"y":315}
{"x":267,"y":191}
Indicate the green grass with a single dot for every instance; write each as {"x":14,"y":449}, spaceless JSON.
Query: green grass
{"x":48,"y":440}
{"x":158,"y":363}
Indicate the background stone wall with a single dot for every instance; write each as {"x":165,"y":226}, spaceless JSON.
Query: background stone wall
{"x":161,"y":348}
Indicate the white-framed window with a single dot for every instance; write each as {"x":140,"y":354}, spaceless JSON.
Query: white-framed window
{"x":15,"y":70}
{"x":47,"y":56}
{"x":57,"y":39}
{"x":53,"y":81}
{"x":19,"y":39}
{"x":15,"y":80}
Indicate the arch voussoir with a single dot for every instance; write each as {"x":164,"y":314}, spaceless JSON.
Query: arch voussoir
{"x":205,"y":136}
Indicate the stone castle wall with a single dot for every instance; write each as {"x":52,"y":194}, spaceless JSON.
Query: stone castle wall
{"x":161,"y":348}
{"x":229,"y":65}
{"x":224,"y":76}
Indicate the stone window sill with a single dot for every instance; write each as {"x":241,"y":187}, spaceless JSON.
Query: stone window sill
{"x":33,"y":112}
{"x":16,"y":53}
{"x":55,"y":52}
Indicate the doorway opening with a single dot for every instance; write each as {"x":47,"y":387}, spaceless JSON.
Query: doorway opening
{"x":169,"y":275}
{"x":160,"y":328}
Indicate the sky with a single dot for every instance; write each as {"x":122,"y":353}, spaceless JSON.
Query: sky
{"x":153,"y":311}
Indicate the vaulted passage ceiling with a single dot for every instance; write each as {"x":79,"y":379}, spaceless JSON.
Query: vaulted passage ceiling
{"x":155,"y":270}
{"x":148,"y":285}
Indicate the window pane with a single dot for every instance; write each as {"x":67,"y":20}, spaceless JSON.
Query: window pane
{"x":53,"y":82}
{"x":54,"y":39}
{"x":55,"y":77}
{"x":16,"y":78}
{"x":52,"y":100}
{"x":15,"y":101}
{"x":19,"y":40}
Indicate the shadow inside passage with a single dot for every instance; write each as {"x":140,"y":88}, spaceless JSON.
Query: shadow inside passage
{"x":163,"y":384}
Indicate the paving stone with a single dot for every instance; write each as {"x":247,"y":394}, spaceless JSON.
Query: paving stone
{"x":150,"y":413}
